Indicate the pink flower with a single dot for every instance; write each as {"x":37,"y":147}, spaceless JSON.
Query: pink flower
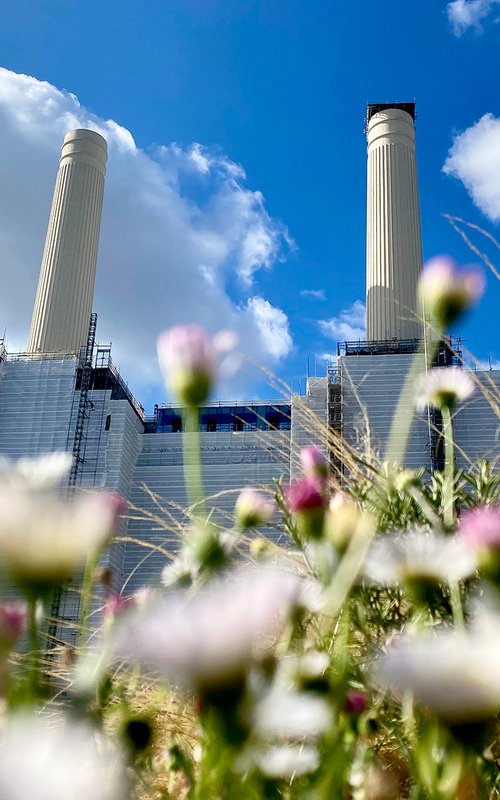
{"x":252,"y":508}
{"x":188,"y":361}
{"x":447,"y":292}
{"x":480,"y":527}
{"x":313,"y":462}
{"x":116,"y":605}
{"x":12,"y":623}
{"x":304,"y":495}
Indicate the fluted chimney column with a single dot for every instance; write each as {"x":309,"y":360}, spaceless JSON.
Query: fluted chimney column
{"x":65,"y":291}
{"x":394,"y":241}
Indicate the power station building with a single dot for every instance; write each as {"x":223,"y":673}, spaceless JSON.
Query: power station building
{"x":64,"y":393}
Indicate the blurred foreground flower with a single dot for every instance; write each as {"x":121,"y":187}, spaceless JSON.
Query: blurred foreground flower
{"x":188,"y":361}
{"x":252,"y":508}
{"x":447,"y":292}
{"x":287,"y":714}
{"x":479,"y":528}
{"x":453,"y":673}
{"x":444,"y":387}
{"x":287,"y":761}
{"x":44,"y":472}
{"x":206,"y":641}
{"x":396,"y":559}
{"x":52,"y":759}
{"x":46,"y":538}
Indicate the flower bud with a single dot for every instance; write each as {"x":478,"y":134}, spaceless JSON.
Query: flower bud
{"x":314,"y":463}
{"x":307,"y":505}
{"x":252,"y":509}
{"x":188,"y":361}
{"x":343,"y":520}
{"x":446,"y":293}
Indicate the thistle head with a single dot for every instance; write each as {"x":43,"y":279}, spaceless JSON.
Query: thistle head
{"x":307,"y":505}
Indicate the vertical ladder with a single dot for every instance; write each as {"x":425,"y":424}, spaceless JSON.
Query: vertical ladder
{"x":83,"y":401}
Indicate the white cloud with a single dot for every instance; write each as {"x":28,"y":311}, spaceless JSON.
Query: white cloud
{"x":465,"y":14}
{"x":474,"y":158}
{"x":272,"y":324}
{"x":348,"y":326}
{"x":178,"y":226}
{"x":314,"y":294}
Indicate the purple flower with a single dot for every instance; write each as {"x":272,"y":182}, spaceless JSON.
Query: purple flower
{"x":447,"y":292}
{"x":355,"y":702}
{"x":188,"y":361}
{"x":313,"y":462}
{"x":252,"y":508}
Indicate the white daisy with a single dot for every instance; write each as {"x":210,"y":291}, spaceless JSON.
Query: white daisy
{"x":396,"y":558}
{"x":208,"y":639}
{"x":443,"y":387}
{"x":54,"y":759}
{"x":454,"y":674}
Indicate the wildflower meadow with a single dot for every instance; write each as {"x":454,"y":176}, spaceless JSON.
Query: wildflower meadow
{"x":357,"y":657}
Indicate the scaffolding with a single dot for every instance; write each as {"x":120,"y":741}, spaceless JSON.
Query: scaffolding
{"x":86,"y":356}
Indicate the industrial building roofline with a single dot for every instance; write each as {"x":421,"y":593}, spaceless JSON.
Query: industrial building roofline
{"x":449,"y":352}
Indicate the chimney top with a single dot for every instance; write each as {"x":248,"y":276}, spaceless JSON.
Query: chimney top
{"x":374,"y":108}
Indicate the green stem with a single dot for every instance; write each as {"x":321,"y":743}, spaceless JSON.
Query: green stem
{"x":456,"y":606}
{"x":86,"y":598}
{"x":33,"y":675}
{"x":402,"y":420}
{"x":192,"y":461}
{"x":449,"y":470}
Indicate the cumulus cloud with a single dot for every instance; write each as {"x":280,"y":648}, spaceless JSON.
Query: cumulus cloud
{"x":474,"y":158}
{"x":272,"y":324}
{"x":348,"y":326}
{"x":465,"y":14}
{"x":179,"y":225}
{"x":314,"y":294}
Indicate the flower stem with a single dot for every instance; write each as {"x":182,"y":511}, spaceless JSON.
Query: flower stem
{"x":86,"y":597}
{"x":449,"y":470}
{"x":456,"y":606}
{"x":34,"y":677}
{"x":192,"y":461}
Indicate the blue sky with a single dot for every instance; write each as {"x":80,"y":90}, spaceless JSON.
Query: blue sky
{"x":260,"y":225}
